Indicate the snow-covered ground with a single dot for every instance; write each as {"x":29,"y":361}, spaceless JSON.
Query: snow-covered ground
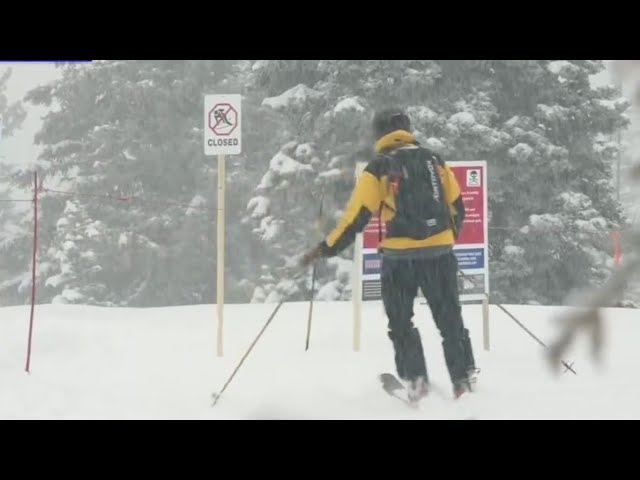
{"x":99,"y":363}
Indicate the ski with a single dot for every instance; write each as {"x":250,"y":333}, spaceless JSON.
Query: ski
{"x":392,"y":386}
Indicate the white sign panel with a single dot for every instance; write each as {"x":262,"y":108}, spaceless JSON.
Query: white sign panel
{"x":222,"y":125}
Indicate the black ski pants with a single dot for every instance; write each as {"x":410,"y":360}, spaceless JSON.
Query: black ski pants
{"x":437,"y":277}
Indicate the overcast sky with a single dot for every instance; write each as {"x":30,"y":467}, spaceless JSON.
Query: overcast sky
{"x":24,"y":77}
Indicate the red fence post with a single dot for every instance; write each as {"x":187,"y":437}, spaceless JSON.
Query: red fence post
{"x":617,"y":249}
{"x":33,"y":267}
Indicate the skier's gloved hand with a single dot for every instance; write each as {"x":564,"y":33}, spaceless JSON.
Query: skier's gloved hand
{"x":312,"y":255}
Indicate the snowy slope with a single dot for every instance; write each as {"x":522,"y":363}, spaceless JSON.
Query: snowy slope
{"x":160,"y":363}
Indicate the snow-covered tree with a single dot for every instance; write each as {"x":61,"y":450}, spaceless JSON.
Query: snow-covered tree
{"x":133,"y":130}
{"x":71,"y":252}
{"x":327,"y":131}
{"x":545,"y":133}
{"x":560,"y":162}
{"x":14,"y":226}
{"x":11,"y":114}
{"x":127,"y":139}
{"x":555,"y":249}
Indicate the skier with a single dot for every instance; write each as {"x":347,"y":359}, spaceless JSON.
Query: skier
{"x":418,"y":197}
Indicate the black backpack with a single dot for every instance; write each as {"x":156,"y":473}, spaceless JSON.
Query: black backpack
{"x":421,"y":205}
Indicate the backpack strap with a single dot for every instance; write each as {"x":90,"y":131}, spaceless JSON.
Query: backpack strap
{"x":441,"y":165}
{"x":380,"y":225}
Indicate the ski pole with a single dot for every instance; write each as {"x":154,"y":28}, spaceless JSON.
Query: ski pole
{"x":519,"y":323}
{"x":216,"y":396}
{"x":313,"y":281}
{"x":313,"y":287}
{"x":544,"y":345}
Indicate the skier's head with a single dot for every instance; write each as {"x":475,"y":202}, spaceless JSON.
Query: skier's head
{"x":389,"y":120}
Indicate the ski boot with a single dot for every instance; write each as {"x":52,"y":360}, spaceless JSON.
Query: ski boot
{"x":461,"y":387}
{"x":472,"y":375}
{"x":417,"y":389}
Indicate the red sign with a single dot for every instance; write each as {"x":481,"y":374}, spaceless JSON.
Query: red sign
{"x":371,"y":233}
{"x":471,"y":182}
{"x":223,"y":119}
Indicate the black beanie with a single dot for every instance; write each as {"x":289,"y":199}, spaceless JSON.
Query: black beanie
{"x":389,"y":120}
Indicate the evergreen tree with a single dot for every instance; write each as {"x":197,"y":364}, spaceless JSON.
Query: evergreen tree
{"x":327,"y":131}
{"x":14,"y":217}
{"x":560,"y":185}
{"x":11,"y":114}
{"x":542,"y":129}
{"x":133,"y":131}
{"x":79,"y":278}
